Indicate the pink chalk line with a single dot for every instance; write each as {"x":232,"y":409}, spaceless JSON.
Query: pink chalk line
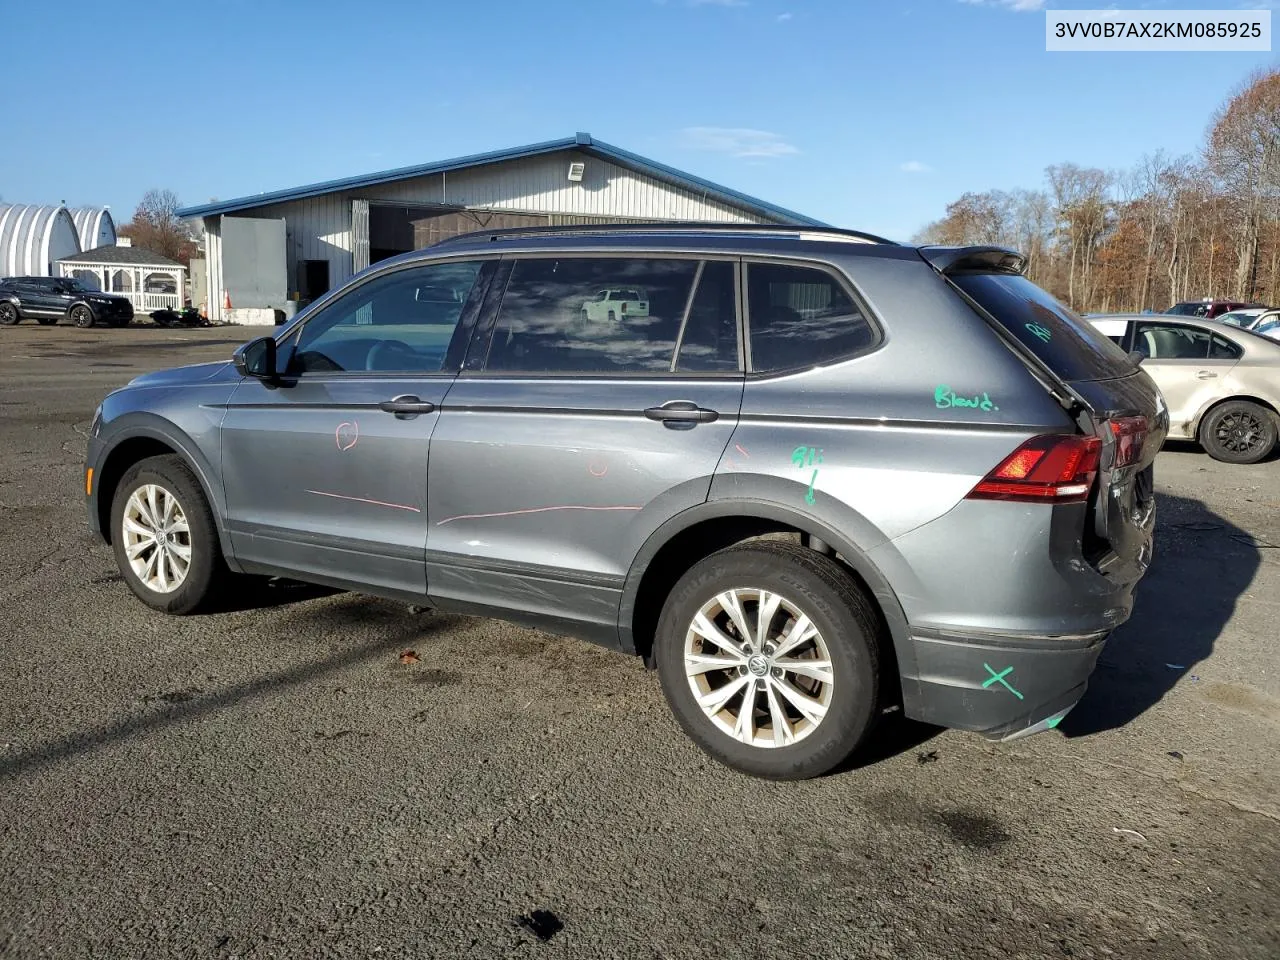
{"x":376,"y":503}
{"x":516,"y":513}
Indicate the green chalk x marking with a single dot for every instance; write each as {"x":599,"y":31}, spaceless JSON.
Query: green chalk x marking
{"x":944,"y":398}
{"x":1053,"y":723}
{"x":1000,"y":679}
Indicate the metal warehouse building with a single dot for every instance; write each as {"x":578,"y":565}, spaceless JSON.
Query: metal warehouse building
{"x":271,"y":250}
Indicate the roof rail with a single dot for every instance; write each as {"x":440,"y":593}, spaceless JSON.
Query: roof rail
{"x":803,"y":231}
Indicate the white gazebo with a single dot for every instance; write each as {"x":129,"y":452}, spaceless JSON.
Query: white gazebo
{"x":150,"y":281}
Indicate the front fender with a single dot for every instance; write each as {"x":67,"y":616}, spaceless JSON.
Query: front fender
{"x":191,"y":448}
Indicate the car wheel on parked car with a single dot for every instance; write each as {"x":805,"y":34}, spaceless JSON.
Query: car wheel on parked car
{"x":9,"y":314}
{"x":1239,"y":432}
{"x":768,"y":656}
{"x":81,"y":316}
{"x":164,"y":537}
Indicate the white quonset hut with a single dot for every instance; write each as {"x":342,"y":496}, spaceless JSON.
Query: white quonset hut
{"x":266,"y":251}
{"x":94,"y":226}
{"x":34,"y":238}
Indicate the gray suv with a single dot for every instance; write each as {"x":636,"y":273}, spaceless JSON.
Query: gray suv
{"x":820,"y":477}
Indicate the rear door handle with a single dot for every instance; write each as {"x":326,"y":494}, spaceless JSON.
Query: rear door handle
{"x":1206,"y":375}
{"x":681,"y":411}
{"x":406,"y":406}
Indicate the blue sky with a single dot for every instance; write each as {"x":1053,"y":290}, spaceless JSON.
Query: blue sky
{"x":866,"y":113}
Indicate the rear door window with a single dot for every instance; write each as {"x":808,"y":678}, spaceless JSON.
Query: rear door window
{"x":1176,"y":341}
{"x":591,"y":315}
{"x":1069,"y":346}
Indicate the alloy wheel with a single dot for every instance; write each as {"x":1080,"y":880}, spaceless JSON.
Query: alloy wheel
{"x":758,"y":667}
{"x":8,"y":314}
{"x":1239,"y":432}
{"x":156,"y":538}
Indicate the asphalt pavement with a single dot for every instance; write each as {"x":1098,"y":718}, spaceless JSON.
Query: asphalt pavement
{"x":285,"y":780}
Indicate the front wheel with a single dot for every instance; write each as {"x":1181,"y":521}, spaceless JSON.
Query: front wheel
{"x":768,"y":655}
{"x":8,"y":314}
{"x":82,"y":316}
{"x":1239,"y":432}
{"x":164,"y":537}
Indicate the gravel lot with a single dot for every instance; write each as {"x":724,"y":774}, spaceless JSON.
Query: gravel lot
{"x":275,"y":782}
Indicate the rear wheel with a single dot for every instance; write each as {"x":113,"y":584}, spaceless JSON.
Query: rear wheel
{"x":81,"y":316}
{"x":768,"y":656}
{"x":1239,"y":431}
{"x":9,"y":314}
{"x":164,"y":537}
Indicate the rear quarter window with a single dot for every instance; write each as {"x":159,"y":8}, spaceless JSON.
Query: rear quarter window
{"x":1069,"y":346}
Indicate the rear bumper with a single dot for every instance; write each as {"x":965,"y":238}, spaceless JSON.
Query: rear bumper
{"x":1000,"y":687}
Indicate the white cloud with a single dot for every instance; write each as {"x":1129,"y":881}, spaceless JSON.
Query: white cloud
{"x":1018,"y":6}
{"x":737,"y":141}
{"x":784,"y":17}
{"x":915,"y":166}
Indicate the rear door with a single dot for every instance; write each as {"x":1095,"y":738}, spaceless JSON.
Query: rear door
{"x":36,"y":297}
{"x":572,"y":435}
{"x":1120,"y":403}
{"x":1188,"y":363}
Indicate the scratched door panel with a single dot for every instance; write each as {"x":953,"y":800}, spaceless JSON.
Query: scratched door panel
{"x":543,"y":490}
{"x":322,"y":483}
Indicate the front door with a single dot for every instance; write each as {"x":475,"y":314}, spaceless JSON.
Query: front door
{"x":596,"y":410}
{"x":1188,"y":364}
{"x":325,"y":472}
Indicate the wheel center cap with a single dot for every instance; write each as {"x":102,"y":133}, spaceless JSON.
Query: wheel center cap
{"x":758,"y":665}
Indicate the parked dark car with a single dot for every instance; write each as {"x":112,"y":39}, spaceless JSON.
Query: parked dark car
{"x":46,"y":300}
{"x":1205,"y":308}
{"x":821,"y":477}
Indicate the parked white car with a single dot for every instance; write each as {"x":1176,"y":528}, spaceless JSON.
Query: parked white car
{"x":615,"y":305}
{"x":1221,"y":383}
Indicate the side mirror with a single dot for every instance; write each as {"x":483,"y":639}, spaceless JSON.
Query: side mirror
{"x":257,"y":359}
{"x":1137,"y":356}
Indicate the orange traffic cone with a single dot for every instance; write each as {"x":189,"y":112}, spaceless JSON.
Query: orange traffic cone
{"x":228,"y":296}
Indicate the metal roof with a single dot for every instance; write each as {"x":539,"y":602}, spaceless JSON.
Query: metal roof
{"x":136,"y":256}
{"x":582,"y":142}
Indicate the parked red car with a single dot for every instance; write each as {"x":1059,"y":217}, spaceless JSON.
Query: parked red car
{"x":1205,"y":308}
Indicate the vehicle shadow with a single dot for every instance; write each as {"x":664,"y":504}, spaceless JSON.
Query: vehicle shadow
{"x":1202,"y":565}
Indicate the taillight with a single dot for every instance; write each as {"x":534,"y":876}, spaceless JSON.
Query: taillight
{"x":1049,"y":469}
{"x":1130,"y":434}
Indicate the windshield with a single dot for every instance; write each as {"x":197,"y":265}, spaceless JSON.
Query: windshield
{"x":1187,"y":309}
{"x":1241,"y":318}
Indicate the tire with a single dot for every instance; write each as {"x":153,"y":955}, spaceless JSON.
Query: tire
{"x":810,"y":585}
{"x":1239,"y":431}
{"x":206,"y":574}
{"x":46,"y":321}
{"x":81,"y":316}
{"x":9,"y":314}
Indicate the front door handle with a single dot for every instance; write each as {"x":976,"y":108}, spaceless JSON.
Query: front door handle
{"x":1206,"y":375}
{"x":681,"y":411}
{"x":406,"y":406}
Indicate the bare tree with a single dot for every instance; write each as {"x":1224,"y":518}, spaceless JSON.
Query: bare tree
{"x":1243,"y":153}
{"x":156,"y":226}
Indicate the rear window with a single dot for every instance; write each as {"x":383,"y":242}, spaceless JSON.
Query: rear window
{"x":1069,"y":346}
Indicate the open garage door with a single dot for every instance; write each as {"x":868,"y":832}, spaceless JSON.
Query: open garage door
{"x":395,"y":228}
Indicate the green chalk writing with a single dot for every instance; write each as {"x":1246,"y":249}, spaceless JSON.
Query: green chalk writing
{"x":1040,"y":331}
{"x":807,"y":457}
{"x":944,"y":398}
